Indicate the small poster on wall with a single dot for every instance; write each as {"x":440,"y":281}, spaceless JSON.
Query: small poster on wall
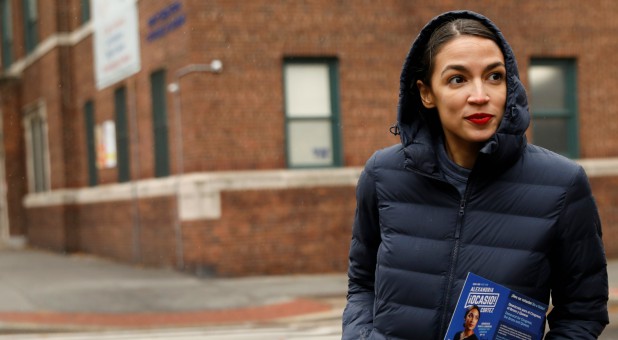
{"x":105,"y":135}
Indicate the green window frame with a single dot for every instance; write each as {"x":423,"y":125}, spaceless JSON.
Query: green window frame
{"x":37,"y":147}
{"x":31,"y":24}
{"x":91,"y":143}
{"x":7,"y":33}
{"x":312,"y":112}
{"x":159,"y":123}
{"x":85,"y":10}
{"x":553,"y":103}
{"x":122,"y":135}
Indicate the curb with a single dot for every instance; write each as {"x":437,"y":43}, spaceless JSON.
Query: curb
{"x":297,"y":308}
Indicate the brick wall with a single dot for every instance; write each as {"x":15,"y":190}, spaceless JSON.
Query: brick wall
{"x":14,"y":156}
{"x":246,"y":99}
{"x":46,"y":228}
{"x":139,"y":231}
{"x":274,"y":232}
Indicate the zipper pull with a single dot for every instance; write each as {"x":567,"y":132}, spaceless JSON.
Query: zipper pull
{"x":462,"y":207}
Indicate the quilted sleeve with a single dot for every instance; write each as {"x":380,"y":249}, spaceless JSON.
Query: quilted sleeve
{"x":579,"y":268}
{"x":358,"y":313}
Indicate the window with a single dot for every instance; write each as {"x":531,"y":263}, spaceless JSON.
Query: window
{"x":159,"y":122}
{"x":31,"y":18}
{"x":85,"y":10}
{"x":91,"y":142}
{"x":554,"y":105}
{"x":7,"y":33}
{"x":35,"y":126}
{"x":122,"y":134}
{"x":311,"y":112}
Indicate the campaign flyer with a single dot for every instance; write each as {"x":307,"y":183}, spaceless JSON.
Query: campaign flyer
{"x":487,"y":310}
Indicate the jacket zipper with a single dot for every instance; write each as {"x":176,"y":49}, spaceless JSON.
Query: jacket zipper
{"x":451,"y":276}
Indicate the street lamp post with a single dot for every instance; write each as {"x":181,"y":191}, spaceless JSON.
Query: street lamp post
{"x":215,"y":66}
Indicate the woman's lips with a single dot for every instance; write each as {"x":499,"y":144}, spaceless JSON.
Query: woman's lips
{"x":479,"y":118}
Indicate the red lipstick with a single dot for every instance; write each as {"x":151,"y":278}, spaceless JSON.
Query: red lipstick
{"x":480,"y":118}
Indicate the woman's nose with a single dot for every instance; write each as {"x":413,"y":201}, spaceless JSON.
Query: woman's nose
{"x":479,"y":94}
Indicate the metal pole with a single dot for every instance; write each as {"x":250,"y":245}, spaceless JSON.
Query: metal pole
{"x":214,"y":67}
{"x":179,"y":172}
{"x":137,"y":231}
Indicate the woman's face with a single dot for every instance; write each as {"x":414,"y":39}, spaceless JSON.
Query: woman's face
{"x":468,"y":89}
{"x":472,"y":318}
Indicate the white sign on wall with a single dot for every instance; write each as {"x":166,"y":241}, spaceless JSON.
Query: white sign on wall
{"x":116,"y":40}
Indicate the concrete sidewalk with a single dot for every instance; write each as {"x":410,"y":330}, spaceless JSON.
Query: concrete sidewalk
{"x":44,"y":290}
{"x":41,"y":289}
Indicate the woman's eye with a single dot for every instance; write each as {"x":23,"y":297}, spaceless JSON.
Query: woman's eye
{"x":496,"y":76}
{"x":456,"y":80}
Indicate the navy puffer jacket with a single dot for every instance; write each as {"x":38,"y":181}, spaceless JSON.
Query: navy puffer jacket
{"x":527,"y":220}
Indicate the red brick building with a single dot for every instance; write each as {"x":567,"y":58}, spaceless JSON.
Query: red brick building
{"x":122,"y":138}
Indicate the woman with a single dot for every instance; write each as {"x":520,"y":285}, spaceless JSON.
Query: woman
{"x":464,"y":192}
{"x":471,"y":318}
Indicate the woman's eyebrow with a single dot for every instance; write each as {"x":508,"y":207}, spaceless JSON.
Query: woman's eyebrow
{"x":494,"y":65}
{"x":462,"y":68}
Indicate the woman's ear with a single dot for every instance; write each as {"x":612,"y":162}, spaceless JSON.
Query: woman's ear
{"x":426,"y":95}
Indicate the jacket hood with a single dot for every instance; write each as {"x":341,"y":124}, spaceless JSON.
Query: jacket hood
{"x":419,"y":135}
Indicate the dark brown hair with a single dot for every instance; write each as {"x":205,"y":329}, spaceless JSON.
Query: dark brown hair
{"x":468,"y":310}
{"x":445,"y":33}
